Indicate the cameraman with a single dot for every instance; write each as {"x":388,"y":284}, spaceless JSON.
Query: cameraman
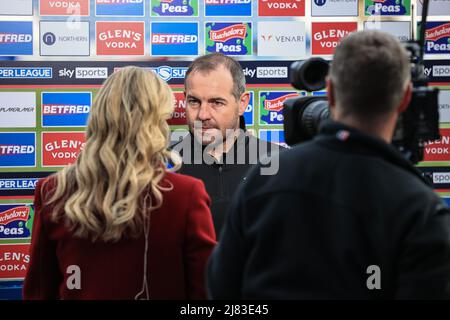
{"x":346,"y":217}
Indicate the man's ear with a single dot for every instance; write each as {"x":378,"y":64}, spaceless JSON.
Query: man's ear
{"x":330,"y":93}
{"x":243,"y":102}
{"x":406,"y":99}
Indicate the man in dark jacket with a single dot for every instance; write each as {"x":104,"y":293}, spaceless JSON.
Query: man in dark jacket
{"x":346,"y":217}
{"x":218,"y":150}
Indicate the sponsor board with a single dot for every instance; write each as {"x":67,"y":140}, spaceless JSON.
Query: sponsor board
{"x":444,"y":106}
{"x":399,"y":29}
{"x":120,"y":38}
{"x":17,"y":109}
{"x":285,"y":8}
{"x":16,"y":221}
{"x":64,"y":7}
{"x":26,"y":73}
{"x":14,"y":260}
{"x":178,"y":117}
{"x":271,"y":106}
{"x":435,"y":8}
{"x":174,"y":39}
{"x":131,"y":8}
{"x":65,"y":109}
{"x":274,"y":136}
{"x":438,"y":150}
{"x":64,"y":39}
{"x":16,"y":7}
{"x":249,"y":113}
{"x":387,"y":7}
{"x":437,"y":37}
{"x":327,"y":35}
{"x":334,"y":8}
{"x":61,"y":148}
{"x":286,"y":38}
{"x":174,"y":8}
{"x":17,"y":149}
{"x":19,"y":184}
{"x":222,"y":8}
{"x":272,"y":72}
{"x":16,"y":38}
{"x":230,"y":38}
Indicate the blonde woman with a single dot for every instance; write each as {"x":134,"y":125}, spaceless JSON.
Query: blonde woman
{"x":117,"y":224}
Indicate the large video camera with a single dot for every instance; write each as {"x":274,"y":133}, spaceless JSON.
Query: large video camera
{"x":417,"y":125}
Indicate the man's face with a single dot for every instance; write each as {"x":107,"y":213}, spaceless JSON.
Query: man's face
{"x":210,"y":101}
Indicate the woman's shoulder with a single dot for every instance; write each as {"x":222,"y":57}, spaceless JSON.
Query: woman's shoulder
{"x":181,"y":180}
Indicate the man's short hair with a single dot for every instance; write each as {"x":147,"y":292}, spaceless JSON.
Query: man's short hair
{"x":370,"y":70}
{"x":213,"y":61}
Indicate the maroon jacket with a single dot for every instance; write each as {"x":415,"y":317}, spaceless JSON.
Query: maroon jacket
{"x":181,"y":239}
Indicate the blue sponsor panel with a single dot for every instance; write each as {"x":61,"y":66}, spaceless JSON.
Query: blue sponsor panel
{"x":17,"y":149}
{"x":174,"y":39}
{"x":18,"y":184}
{"x":65,"y":109}
{"x":274,"y":136}
{"x":16,"y":221}
{"x":249,"y":114}
{"x":131,"y":8}
{"x":168,"y":73}
{"x":271,"y":106}
{"x":11,"y":290}
{"x":215,"y":8}
{"x":16,"y":38}
{"x":26,"y":73}
{"x":437,"y":37}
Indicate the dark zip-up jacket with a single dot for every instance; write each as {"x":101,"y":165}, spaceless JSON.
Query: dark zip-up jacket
{"x":222,"y":178}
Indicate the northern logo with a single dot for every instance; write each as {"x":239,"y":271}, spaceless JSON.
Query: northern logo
{"x":334,"y":8}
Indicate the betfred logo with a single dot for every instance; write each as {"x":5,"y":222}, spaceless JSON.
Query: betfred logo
{"x":120,"y":38}
{"x":178,"y":117}
{"x":61,"y":148}
{"x":133,"y":8}
{"x":327,"y":35}
{"x":250,"y":110}
{"x":387,"y":7}
{"x":222,"y":8}
{"x":271,"y":106}
{"x":174,"y":39}
{"x":64,"y":7}
{"x":174,"y":8}
{"x":16,"y":38}
{"x":17,"y":149}
{"x":15,"y":221}
{"x":65,"y":109}
{"x":437,"y":37}
{"x":286,"y":8}
{"x":438,"y":150}
{"x":14,"y":260}
{"x":229,"y":38}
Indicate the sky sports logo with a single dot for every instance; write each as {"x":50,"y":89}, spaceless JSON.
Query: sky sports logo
{"x":223,"y":8}
{"x":65,"y":109}
{"x":437,"y":37}
{"x":17,"y":149}
{"x":132,"y":8}
{"x":230,"y":38}
{"x":174,"y":39}
{"x":16,"y":38}
{"x":174,"y":8}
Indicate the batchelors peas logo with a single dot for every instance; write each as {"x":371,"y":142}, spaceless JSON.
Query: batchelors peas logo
{"x":437,"y":37}
{"x":229,"y":38}
{"x":271,"y":106}
{"x":387,"y":7}
{"x":186,"y":8}
{"x":16,"y":221}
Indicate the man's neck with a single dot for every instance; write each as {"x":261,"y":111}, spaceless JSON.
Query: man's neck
{"x":219,"y":150}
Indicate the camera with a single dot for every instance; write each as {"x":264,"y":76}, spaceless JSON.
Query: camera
{"x":417,"y":125}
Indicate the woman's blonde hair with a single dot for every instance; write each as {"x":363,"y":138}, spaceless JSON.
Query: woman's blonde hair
{"x":125,"y":157}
